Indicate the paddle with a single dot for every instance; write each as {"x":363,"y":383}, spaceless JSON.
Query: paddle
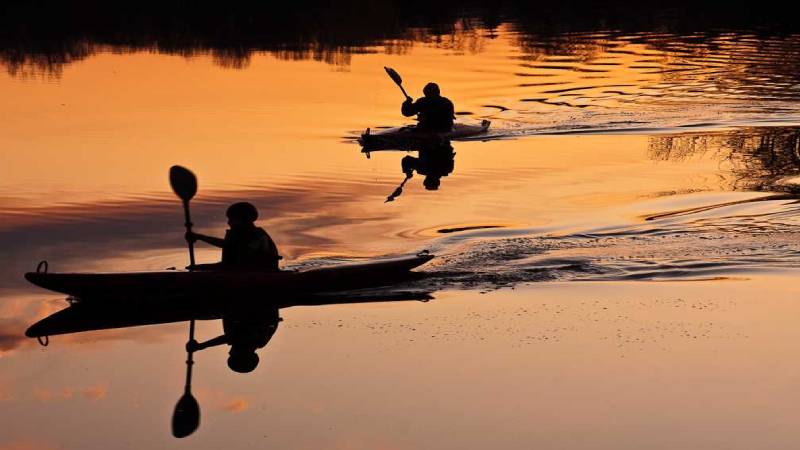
{"x":186,"y":417}
{"x":184,"y":184}
{"x":397,"y":191}
{"x":397,"y":79}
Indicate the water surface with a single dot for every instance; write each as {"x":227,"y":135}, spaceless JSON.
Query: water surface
{"x":616,"y":258}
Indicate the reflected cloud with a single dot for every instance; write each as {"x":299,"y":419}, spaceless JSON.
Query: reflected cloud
{"x":236,"y":405}
{"x":15,"y":316}
{"x":5,"y":393}
{"x":12,"y":334}
{"x":222,"y":400}
{"x":95,"y":392}
{"x":27,"y":444}
{"x":45,"y":395}
{"x":17,"y":319}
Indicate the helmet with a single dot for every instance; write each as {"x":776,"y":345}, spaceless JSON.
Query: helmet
{"x":431,"y":90}
{"x":243,"y":211}
{"x":431,"y":183}
{"x":242,"y":361}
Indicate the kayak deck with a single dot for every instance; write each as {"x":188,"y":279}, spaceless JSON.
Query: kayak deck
{"x":410,"y":138}
{"x":227,"y":283}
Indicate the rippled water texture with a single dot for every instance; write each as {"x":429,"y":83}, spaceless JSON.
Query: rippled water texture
{"x":621,"y":68}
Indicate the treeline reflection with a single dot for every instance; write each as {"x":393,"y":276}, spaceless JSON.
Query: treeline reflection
{"x":41,"y":37}
{"x":758,"y":159}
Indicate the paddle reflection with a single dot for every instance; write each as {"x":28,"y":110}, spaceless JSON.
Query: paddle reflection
{"x":248,"y":327}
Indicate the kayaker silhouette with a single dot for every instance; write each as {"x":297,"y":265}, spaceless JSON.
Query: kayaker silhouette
{"x":434,"y":112}
{"x":245,"y":245}
{"x":245,"y":330}
{"x":434,"y":162}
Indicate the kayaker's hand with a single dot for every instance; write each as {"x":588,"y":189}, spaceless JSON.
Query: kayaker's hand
{"x":191,"y":237}
{"x":192,"y":346}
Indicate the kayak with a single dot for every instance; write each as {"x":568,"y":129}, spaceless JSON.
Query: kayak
{"x":94,"y":316}
{"x":228,"y":283}
{"x":409,"y":138}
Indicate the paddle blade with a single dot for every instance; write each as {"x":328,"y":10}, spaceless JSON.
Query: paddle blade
{"x":394,"y":75}
{"x":394,"y":195}
{"x":183,"y":182}
{"x":186,"y":417}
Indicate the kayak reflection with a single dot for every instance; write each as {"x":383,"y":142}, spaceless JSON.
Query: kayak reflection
{"x":432,"y":162}
{"x":248,"y":327}
{"x":105,"y":314}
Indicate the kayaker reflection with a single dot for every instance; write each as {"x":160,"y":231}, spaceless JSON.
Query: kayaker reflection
{"x":245,"y":331}
{"x":434,"y":112}
{"x":245,"y":245}
{"x":433,"y":162}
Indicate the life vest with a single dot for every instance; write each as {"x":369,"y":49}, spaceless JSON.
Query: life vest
{"x":250,"y":247}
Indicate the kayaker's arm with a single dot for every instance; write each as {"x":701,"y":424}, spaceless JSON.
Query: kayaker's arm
{"x":193,"y":346}
{"x":409,"y":107}
{"x":217,"y":242}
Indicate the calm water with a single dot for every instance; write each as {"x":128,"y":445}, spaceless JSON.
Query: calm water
{"x":616,"y":256}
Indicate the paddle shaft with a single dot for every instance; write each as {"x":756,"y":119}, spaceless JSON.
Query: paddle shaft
{"x":189,"y":361}
{"x":186,"y":417}
{"x":188,"y":224}
{"x":190,"y":354}
{"x":404,"y":91}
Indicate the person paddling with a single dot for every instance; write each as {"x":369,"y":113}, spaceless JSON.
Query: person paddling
{"x":245,"y":245}
{"x":434,"y":112}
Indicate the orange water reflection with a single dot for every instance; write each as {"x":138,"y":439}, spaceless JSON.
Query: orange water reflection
{"x":537,"y":366}
{"x":64,"y":139}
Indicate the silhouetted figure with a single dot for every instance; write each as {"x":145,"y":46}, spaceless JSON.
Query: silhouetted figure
{"x":245,"y":330}
{"x":433,"y":162}
{"x":434,"y":112}
{"x":245,"y":245}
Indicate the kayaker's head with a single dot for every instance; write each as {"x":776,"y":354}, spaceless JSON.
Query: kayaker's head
{"x":241,"y":214}
{"x":242,"y":359}
{"x":431,"y":90}
{"x":432,"y":183}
